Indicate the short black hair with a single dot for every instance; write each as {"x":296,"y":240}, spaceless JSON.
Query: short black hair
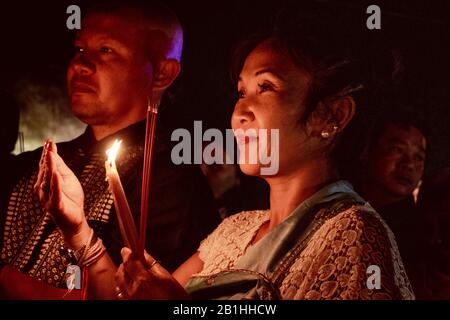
{"x":401,"y":117}
{"x":153,"y":12}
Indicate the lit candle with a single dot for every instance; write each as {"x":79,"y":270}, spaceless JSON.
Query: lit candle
{"x":123,"y":212}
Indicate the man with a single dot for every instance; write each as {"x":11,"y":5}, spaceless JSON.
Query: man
{"x":392,"y":169}
{"x":395,"y":161}
{"x":127,"y":55}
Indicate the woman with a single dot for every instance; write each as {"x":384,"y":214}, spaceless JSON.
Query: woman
{"x":319,"y":240}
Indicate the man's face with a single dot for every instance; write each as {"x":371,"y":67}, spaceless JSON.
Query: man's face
{"x":109,"y":76}
{"x":396,"y":161}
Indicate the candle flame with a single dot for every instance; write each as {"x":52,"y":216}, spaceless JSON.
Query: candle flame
{"x":112,"y":152}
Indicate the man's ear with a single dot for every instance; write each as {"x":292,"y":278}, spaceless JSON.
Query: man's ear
{"x":165,"y":75}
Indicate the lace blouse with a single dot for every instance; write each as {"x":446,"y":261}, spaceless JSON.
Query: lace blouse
{"x":333,"y":264}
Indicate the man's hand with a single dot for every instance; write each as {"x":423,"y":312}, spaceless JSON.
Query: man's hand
{"x":61,"y":194}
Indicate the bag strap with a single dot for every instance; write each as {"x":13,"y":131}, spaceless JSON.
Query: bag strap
{"x":319,"y":218}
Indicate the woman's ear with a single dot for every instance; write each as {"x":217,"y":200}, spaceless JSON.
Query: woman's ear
{"x":165,"y":75}
{"x":340,"y":112}
{"x":343,"y":109}
{"x":319,"y":120}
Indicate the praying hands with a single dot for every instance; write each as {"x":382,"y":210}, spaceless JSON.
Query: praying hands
{"x":61,"y":195}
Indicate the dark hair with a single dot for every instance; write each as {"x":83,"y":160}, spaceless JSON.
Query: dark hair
{"x":154,"y":13}
{"x":336,"y":68}
{"x":401,"y":118}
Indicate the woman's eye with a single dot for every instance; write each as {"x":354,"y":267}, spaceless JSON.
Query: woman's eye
{"x":263,"y":87}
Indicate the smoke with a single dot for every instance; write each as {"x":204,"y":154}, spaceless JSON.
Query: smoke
{"x":44,"y":113}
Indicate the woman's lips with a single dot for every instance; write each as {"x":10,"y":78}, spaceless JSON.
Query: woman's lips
{"x":244,"y":139}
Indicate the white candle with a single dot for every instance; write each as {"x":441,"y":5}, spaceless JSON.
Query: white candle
{"x":123,"y":212}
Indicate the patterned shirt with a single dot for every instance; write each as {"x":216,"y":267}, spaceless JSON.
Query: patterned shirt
{"x":181,"y":210}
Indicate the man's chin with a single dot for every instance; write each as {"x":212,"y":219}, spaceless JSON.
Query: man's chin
{"x":85,"y":117}
{"x":85,"y":112}
{"x":401,"y":190}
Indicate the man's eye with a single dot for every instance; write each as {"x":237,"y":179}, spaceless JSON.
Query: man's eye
{"x":395,"y":149}
{"x":106,"y":49}
{"x":241,"y":94}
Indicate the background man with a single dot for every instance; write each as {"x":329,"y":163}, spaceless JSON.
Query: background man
{"x":392,"y":169}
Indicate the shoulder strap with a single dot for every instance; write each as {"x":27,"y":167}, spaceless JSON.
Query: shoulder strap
{"x":321,"y":215}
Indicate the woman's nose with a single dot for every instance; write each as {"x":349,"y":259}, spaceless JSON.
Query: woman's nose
{"x":242,"y":114}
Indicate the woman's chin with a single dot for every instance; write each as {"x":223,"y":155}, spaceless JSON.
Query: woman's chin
{"x":250,"y":169}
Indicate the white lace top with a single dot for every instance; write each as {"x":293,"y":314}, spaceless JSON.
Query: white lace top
{"x":334,"y":263}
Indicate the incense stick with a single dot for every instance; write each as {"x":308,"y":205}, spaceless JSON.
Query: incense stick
{"x":152,"y":113}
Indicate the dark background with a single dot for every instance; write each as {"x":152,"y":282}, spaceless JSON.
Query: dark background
{"x":35,"y":44}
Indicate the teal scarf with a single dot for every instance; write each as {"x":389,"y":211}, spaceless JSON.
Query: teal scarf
{"x":256,"y":274}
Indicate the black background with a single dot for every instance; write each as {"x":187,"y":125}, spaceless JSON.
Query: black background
{"x":36,"y":44}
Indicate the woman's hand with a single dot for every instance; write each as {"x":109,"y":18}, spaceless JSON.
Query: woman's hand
{"x":134,"y":281}
{"x":61,"y":194}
